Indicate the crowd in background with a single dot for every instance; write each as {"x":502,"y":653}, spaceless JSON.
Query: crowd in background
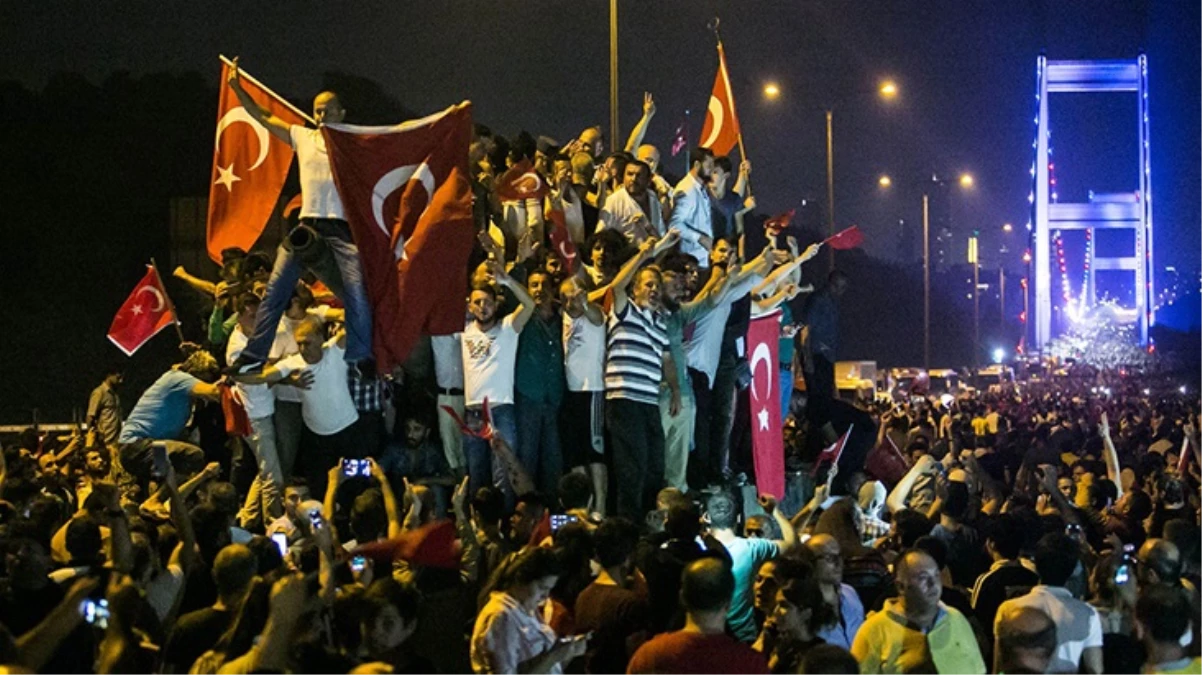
{"x":567,"y":484}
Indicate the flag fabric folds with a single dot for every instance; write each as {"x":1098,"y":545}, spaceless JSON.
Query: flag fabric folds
{"x":250,"y":166}
{"x":408,"y":201}
{"x":767,"y":445}
{"x":721,"y":131}
{"x":561,"y":239}
{"x":521,"y":182}
{"x":846,"y":239}
{"x":830,"y":456}
{"x":144,"y":313}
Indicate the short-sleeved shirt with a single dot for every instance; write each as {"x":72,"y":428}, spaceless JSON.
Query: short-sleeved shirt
{"x":104,"y":411}
{"x":887,"y":643}
{"x":636,"y":340}
{"x":538,"y":374}
{"x":258,"y":398}
{"x":851,"y":617}
{"x":684,"y":652}
{"x":163,"y":410}
{"x":319,"y":197}
{"x":584,"y":353}
{"x":613,"y":614}
{"x":285,"y":345}
{"x":706,"y":344}
{"x":326,"y":406}
{"x":746,"y":555}
{"x":1078,"y":626}
{"x":506,"y":635}
{"x":489,"y":359}
{"x":622,"y":213}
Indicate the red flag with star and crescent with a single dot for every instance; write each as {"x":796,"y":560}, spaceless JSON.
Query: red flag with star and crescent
{"x":145,"y":312}
{"x":250,"y":166}
{"x":521,"y":182}
{"x":767,"y":442}
{"x":408,"y":200}
{"x":721,"y":130}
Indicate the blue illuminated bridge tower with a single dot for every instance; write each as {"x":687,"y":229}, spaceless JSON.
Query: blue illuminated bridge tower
{"x":1133,"y":215}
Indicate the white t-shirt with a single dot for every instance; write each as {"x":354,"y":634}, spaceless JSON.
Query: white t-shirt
{"x":488,"y":362}
{"x":319,"y":197}
{"x":584,"y":354}
{"x":622,"y":213}
{"x":257,"y":398}
{"x":448,"y":360}
{"x":285,"y":345}
{"x":326,"y":406}
{"x":1078,"y":626}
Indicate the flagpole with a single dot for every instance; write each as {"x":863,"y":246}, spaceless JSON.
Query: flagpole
{"x":281,"y":99}
{"x":730,"y":92}
{"x":167,"y":297}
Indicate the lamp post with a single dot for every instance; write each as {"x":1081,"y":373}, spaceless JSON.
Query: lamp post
{"x":887,"y":90}
{"x":975,"y":259}
{"x":966,"y":182}
{"x":613,"y":73}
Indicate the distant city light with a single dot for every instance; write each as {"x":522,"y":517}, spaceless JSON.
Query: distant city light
{"x":1007,"y":228}
{"x":999,"y":355}
{"x":888,"y":89}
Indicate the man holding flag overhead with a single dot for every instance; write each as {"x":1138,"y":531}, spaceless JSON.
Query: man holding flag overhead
{"x":322,"y":242}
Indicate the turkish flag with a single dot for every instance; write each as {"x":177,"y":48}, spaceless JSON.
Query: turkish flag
{"x":562,"y":241}
{"x":432,"y":545}
{"x":846,"y":239}
{"x":408,"y":200}
{"x":249,"y":167}
{"x":832,"y":454}
{"x":145,"y":312}
{"x":767,"y":443}
{"x":521,"y":182}
{"x":721,"y":130}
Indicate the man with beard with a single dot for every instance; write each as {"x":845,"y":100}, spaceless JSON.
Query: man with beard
{"x":678,"y":407}
{"x":691,"y":207}
{"x":539,"y":384}
{"x":418,"y":459}
{"x":490,"y":345}
{"x":104,"y":407}
{"x":633,"y":210}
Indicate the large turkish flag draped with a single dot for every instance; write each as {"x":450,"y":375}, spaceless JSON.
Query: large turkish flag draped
{"x":249,"y":167}
{"x":767,"y":443}
{"x":408,"y":200}
{"x":144,"y":313}
{"x":721,"y":130}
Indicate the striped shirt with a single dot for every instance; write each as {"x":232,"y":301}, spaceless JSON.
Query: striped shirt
{"x":636,"y":340}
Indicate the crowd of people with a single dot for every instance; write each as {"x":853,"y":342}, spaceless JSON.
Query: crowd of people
{"x":566,"y":484}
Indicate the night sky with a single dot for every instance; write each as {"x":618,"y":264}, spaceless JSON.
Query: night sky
{"x":966,"y":71}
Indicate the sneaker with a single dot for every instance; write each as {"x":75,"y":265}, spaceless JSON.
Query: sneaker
{"x":244,"y":365}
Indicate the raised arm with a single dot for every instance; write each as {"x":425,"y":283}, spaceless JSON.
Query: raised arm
{"x":744,"y":178}
{"x":278,"y":127}
{"x":901,"y":492}
{"x":523,"y":313}
{"x":625,"y":275}
{"x":390,"y":503}
{"x":1111,"y":455}
{"x":39,"y":644}
{"x":788,"y":535}
{"x":640,"y":129}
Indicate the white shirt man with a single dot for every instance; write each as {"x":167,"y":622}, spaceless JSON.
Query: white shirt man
{"x":622,"y":213}
{"x":326,"y":405}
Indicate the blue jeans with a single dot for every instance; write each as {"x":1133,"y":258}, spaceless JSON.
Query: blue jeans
{"x":335,"y":262}
{"x":481,"y":469}
{"x":538,"y":443}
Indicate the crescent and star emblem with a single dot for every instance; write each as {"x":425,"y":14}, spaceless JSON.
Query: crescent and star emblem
{"x":390,"y":183}
{"x":160,"y":303}
{"x":226,"y":175}
{"x":715,"y":110}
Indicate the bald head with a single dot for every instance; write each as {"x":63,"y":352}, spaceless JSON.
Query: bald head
{"x":1160,"y":560}
{"x":706,"y":586}
{"x":1026,"y":639}
{"x":327,"y":109}
{"x":918,"y":581}
{"x":650,"y":154}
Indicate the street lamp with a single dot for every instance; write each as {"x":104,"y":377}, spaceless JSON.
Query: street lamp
{"x":771,"y":90}
{"x":888,"y":91}
{"x":885,"y":181}
{"x":1007,"y":228}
